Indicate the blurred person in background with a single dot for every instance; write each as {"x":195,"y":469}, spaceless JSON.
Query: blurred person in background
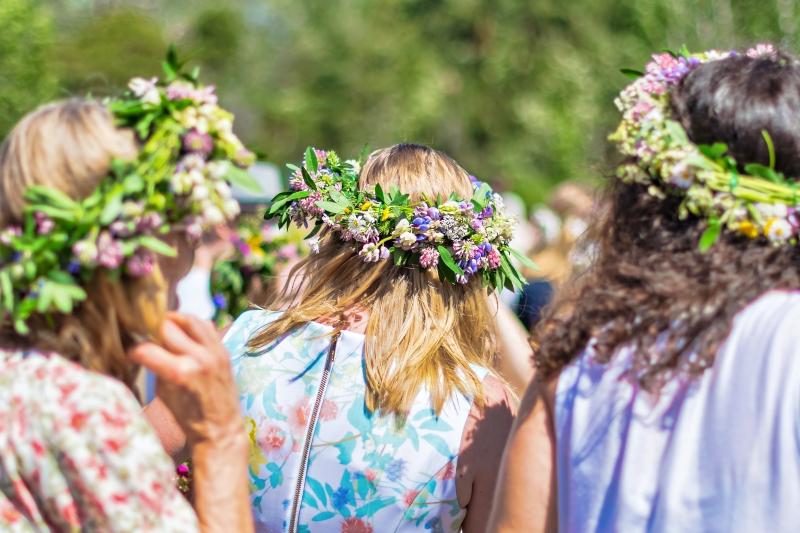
{"x":559,"y":250}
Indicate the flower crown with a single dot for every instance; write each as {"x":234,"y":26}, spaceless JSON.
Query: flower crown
{"x":179,"y":180}
{"x":462,"y":239}
{"x":258,"y":249}
{"x":760,"y":203}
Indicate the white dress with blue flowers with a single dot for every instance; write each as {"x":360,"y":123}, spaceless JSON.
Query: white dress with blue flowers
{"x":358,"y":472}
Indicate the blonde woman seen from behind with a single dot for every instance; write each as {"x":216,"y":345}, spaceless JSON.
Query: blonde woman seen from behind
{"x":75,"y":451}
{"x":369,"y":401}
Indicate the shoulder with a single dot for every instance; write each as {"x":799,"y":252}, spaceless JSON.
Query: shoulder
{"x":488,"y":424}
{"x":84,"y":435}
{"x":777,"y":311}
{"x":485,"y":432}
{"x":244,"y":327}
{"x":52,"y":384}
{"x":768,"y":324}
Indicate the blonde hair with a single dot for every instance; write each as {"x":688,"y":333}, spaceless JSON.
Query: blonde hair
{"x":69,"y":146}
{"x":421,"y":334}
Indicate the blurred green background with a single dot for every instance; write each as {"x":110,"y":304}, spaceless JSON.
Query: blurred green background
{"x":519,"y":92}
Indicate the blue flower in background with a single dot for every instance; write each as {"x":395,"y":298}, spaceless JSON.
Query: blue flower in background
{"x":219,"y":301}
{"x":395,"y":469}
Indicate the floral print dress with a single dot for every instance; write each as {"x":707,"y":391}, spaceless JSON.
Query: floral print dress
{"x":319,"y":461}
{"x":76,"y":453}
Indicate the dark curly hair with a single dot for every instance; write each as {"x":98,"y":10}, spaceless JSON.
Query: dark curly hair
{"x":649,"y":281}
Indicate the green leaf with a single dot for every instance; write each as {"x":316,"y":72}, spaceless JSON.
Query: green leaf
{"x":311,"y":159}
{"x":47,"y":195}
{"x":677,"y":132}
{"x":242,"y":178}
{"x":132,"y":184}
{"x":156,"y":245}
{"x":447,"y":259}
{"x":59,"y":276}
{"x":756,"y":169}
{"x":523,"y":259}
{"x":479,"y":196}
{"x":113,"y":207}
{"x":379,"y":193}
{"x":400,"y":257}
{"x":307,"y":179}
{"x":339,"y":198}
{"x":53,"y":212}
{"x":770,"y":148}
{"x":331,"y":207}
{"x":7,"y":290}
{"x":710,"y":235}
{"x":283,"y":198}
{"x":21,"y":327}
{"x":714,"y":151}
{"x":684,"y":51}
{"x":632,"y":73}
{"x":511,"y":273}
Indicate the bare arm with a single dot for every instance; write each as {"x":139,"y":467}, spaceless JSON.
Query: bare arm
{"x":525,"y":499}
{"x":481,"y":452}
{"x":196,"y":383}
{"x":514,"y":350}
{"x":168,"y":430}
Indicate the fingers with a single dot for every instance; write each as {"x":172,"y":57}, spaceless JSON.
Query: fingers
{"x":200,"y":331}
{"x":176,"y":339}
{"x":162,"y":363}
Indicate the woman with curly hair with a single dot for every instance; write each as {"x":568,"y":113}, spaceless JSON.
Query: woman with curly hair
{"x":668,"y":387}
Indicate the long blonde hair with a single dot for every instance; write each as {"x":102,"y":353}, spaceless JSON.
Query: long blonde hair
{"x":421,"y":334}
{"x":69,"y":146}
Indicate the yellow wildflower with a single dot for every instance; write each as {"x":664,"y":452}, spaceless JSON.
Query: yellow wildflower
{"x":748,"y":229}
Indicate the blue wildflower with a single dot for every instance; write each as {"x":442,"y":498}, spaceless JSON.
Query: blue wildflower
{"x":220,"y":302}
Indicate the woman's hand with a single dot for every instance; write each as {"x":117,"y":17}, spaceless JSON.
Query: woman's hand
{"x":195,"y":382}
{"x":194,"y":379}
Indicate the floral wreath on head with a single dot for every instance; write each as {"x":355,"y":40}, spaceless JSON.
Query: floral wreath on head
{"x":762,"y":203}
{"x":462,"y":239}
{"x":259,"y":248}
{"x":180,"y":180}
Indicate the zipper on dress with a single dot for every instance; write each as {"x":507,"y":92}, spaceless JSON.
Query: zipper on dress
{"x":310,"y":428}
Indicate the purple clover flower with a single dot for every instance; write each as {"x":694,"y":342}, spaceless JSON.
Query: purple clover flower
{"x":669,"y":69}
{"x":109,"y":251}
{"x":429,"y":258}
{"x":140,"y":264}
{"x":44,"y":224}
{"x":197,"y":142}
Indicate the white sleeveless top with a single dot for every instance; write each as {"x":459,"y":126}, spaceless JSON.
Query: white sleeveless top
{"x":319,"y":461}
{"x":720,"y":452}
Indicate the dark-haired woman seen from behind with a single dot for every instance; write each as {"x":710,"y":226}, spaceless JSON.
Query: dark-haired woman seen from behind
{"x":668,"y":390}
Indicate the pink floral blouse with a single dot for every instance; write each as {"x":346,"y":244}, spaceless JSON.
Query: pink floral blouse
{"x":77,"y":454}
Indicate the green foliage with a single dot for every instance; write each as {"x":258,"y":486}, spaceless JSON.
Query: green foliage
{"x":101,"y":52}
{"x":519,"y":92}
{"x":26,"y":38}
